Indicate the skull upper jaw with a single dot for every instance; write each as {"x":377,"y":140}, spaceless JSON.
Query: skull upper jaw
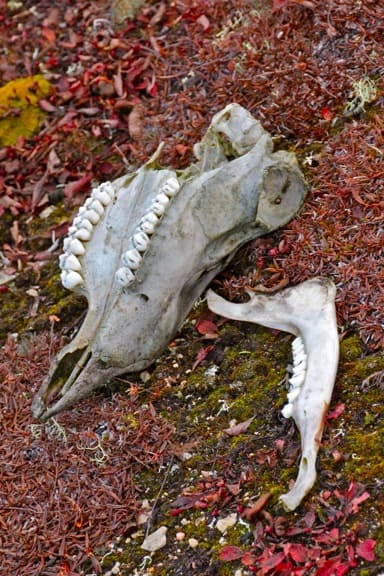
{"x":238,"y":190}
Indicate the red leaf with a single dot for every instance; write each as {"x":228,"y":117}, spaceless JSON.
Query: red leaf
{"x":239,"y":428}
{"x":366,"y":549}
{"x":353,"y":506}
{"x":297,"y":552}
{"x":204,"y":22}
{"x":49,"y":35}
{"x":205,"y":327}
{"x":248,"y":559}
{"x":272,"y":561}
{"x":203,"y":353}
{"x":336,"y":412}
{"x":329,"y":568}
{"x":73,"y":188}
{"x":230,"y":553}
{"x":326,"y":113}
{"x":250,"y":512}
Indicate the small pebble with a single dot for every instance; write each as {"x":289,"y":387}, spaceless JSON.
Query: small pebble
{"x":193,"y":542}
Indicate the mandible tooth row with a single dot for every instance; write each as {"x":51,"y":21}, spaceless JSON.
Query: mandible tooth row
{"x":297,"y":379}
{"x":81,"y":231}
{"x":131,"y":259}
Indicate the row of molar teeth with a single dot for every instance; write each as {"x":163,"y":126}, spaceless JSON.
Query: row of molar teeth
{"x":131,"y":259}
{"x":81,"y":231}
{"x":297,"y":378}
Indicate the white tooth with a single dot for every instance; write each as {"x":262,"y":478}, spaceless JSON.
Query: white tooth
{"x":141,"y":241}
{"x":77,"y":221}
{"x":124,"y":276}
{"x":83,"y":234}
{"x":150,"y":217}
{"x":132,"y":259}
{"x":299,"y":359}
{"x":293,"y":395}
{"x":171,"y":187}
{"x":86,"y":224}
{"x":92,"y":216}
{"x":75,"y":247}
{"x":298,"y":343}
{"x":102,"y":196}
{"x":62,"y":259}
{"x":70,"y":279}
{"x":71,"y":262}
{"x":108,"y":188}
{"x":147,"y":227}
{"x":97,"y":206}
{"x":287,"y":411}
{"x":297,"y":379}
{"x":66,"y":244}
{"x":72,"y":230}
{"x":300,"y":368}
{"x":82,"y":210}
{"x":158,"y":208}
{"x":88,"y":202}
{"x":162,"y":199}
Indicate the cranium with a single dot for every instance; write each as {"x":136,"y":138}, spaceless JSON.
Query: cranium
{"x":143,"y":248}
{"x":308,"y":312}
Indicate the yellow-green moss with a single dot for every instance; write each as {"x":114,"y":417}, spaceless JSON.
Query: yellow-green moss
{"x":20,"y":113}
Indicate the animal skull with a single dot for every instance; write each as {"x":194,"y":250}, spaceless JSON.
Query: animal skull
{"x":143,"y":248}
{"x":308,"y":312}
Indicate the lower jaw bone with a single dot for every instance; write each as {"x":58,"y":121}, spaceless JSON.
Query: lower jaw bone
{"x":308,"y":311}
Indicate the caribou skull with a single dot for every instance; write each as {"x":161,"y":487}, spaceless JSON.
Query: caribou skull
{"x":143,"y":248}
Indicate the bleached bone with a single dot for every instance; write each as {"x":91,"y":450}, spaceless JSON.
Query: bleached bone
{"x":140,"y":284}
{"x":308,"y":311}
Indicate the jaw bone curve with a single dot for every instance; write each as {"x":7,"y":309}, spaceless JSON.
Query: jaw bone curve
{"x":308,"y":312}
{"x":144,"y":247}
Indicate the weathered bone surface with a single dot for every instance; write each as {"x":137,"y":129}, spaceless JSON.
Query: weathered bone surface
{"x":145,"y":246}
{"x":308,"y":312}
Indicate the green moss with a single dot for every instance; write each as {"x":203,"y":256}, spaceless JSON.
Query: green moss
{"x":351,"y":348}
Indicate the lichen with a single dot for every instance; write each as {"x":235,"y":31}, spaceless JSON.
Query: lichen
{"x":20,"y":112}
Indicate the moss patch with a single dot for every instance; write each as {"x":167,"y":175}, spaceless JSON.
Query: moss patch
{"x":20,"y":113}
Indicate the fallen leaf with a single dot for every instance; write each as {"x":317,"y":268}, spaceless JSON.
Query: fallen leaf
{"x":202,"y":354}
{"x":297,"y":552}
{"x":336,"y":412}
{"x":204,"y":22}
{"x":72,"y":188}
{"x":248,"y":559}
{"x":272,"y":561}
{"x":230,"y":553}
{"x":206,"y":327}
{"x":135,"y":122}
{"x":239,"y":428}
{"x":366,"y":549}
{"x":49,"y":35}
{"x":250,"y":512}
